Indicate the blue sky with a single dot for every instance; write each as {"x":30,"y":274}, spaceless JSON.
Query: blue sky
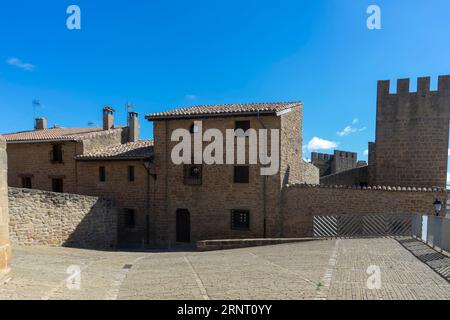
{"x":162,"y":54}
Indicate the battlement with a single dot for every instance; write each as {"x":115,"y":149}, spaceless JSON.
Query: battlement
{"x":316,"y":156}
{"x":345,"y":154}
{"x":423,"y":87}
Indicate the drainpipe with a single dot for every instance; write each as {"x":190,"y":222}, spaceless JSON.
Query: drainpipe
{"x":264,"y":191}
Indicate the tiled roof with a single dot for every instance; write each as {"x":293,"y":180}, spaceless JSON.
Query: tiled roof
{"x":224,"y":109}
{"x":132,"y":150}
{"x":56,"y":134}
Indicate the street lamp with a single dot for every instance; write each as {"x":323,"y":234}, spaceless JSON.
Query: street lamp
{"x":437,"y":206}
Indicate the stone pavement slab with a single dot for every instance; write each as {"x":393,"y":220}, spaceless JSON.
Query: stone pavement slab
{"x":322,"y":269}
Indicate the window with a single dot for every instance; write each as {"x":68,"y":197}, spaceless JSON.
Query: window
{"x":193,"y":174}
{"x":129,"y":219}
{"x":56,"y":155}
{"x":102,"y":174}
{"x":131,"y":173}
{"x":243,"y":125}
{"x":57,"y":185}
{"x":26,"y":183}
{"x":241,"y":174}
{"x":240,"y":219}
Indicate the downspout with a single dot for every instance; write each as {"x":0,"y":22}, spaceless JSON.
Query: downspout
{"x":264,"y":190}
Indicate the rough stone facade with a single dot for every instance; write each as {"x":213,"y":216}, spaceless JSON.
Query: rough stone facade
{"x":302,"y":202}
{"x":210,"y":203}
{"x":33,"y":160}
{"x":412,"y":134}
{"x":134,"y":195}
{"x":5,"y":248}
{"x":60,"y":219}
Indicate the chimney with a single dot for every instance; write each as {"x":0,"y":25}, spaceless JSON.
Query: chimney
{"x":133,"y":129}
{"x":108,"y":118}
{"x":40,"y":124}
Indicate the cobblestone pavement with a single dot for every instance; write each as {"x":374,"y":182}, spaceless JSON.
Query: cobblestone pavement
{"x":323,"y":269}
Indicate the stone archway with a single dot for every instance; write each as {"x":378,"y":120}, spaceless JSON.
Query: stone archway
{"x":5,"y":248}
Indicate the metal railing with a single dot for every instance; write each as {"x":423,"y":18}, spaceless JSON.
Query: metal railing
{"x":434,"y":231}
{"x":362,"y":225}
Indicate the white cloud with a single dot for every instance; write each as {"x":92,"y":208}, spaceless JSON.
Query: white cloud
{"x":190,"y":97}
{"x":366,"y":152}
{"x":448,"y":178}
{"x":20,"y":64}
{"x":321,"y":144}
{"x":348,"y":130}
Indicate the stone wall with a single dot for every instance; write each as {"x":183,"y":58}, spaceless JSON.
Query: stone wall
{"x":412,"y":134}
{"x":5,"y":248}
{"x":310,"y":173}
{"x":353,"y":177}
{"x":61,"y":219}
{"x":302,"y":202}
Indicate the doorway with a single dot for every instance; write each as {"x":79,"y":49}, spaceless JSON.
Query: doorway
{"x":183,"y":225}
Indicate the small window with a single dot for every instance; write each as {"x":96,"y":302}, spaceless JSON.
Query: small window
{"x":57,"y":185}
{"x":240,"y":219}
{"x":243,"y":125}
{"x":57,"y":153}
{"x":102,"y":174}
{"x":26,"y":183}
{"x":131,"y":173}
{"x":193,"y":174}
{"x":241,"y":174}
{"x":129,"y":219}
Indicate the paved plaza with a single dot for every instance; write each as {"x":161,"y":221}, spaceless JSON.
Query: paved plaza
{"x":322,"y":269}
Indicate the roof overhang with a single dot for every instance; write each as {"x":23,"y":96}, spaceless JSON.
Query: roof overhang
{"x":214,"y":115}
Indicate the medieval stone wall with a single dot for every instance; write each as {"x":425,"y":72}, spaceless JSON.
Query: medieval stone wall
{"x":60,"y":219}
{"x":302,"y":202}
{"x":5,"y":248}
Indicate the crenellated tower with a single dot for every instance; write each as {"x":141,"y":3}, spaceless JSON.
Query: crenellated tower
{"x":412,"y":134}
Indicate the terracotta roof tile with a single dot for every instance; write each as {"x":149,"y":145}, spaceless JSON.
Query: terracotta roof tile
{"x":132,"y":150}
{"x":56,"y":134}
{"x":224,"y":109}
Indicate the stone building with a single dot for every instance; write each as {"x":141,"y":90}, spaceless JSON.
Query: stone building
{"x":123,"y":173}
{"x":334,"y":163}
{"x":5,"y":248}
{"x":102,"y":161}
{"x":44,"y":158}
{"x":198,"y":202}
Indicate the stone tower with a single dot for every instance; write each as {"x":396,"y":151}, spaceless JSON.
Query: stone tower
{"x":5,"y":249}
{"x":412,"y":134}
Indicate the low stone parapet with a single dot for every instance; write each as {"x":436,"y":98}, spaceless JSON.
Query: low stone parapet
{"x":211,"y":245}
